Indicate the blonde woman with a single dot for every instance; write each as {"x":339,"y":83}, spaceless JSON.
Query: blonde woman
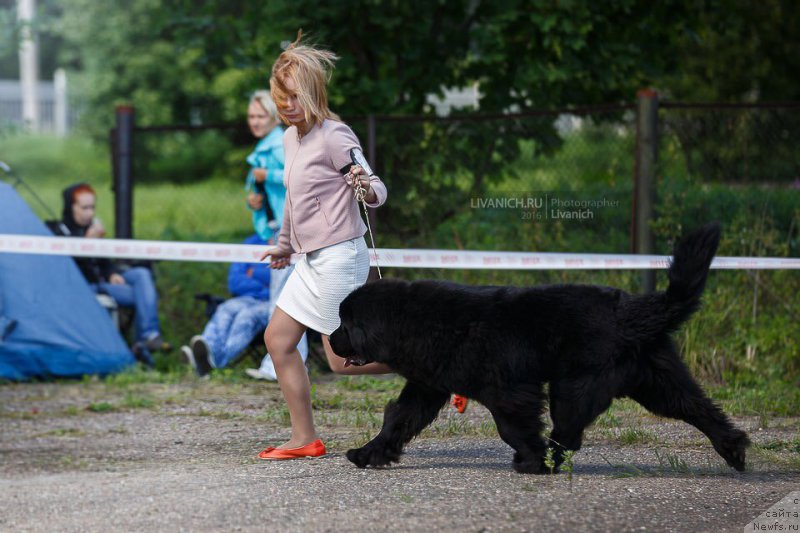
{"x":321,"y":220}
{"x":266,"y":198}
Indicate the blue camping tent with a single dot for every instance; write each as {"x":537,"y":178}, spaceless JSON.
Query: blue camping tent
{"x":50,"y":322}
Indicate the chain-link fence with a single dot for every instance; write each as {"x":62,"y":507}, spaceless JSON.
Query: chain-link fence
{"x":504,"y":181}
{"x":734,"y":143}
{"x":189,"y":182}
{"x":736,"y":163}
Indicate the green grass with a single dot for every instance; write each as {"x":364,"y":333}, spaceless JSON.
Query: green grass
{"x":135,"y":401}
{"x":136,"y":375}
{"x":607,"y":420}
{"x":48,"y":165}
{"x":669,"y":464}
{"x":371,"y":383}
{"x":634,"y":436}
{"x":208,"y":210}
{"x":101,"y":407}
{"x":790,"y":446}
{"x":459,"y":426}
{"x":758,"y":397}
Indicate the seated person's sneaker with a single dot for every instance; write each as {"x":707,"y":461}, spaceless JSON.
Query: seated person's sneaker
{"x":188,"y":354}
{"x":143,"y":355}
{"x":156,"y":343}
{"x":203,"y":358}
{"x":257,"y":373}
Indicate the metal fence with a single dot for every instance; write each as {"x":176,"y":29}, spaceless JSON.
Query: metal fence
{"x":56,"y":114}
{"x":520,"y":181}
{"x":734,"y":143}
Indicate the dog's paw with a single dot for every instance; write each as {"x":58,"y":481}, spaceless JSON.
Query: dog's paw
{"x":733,"y":448}
{"x":358,"y":457}
{"x":371,"y":456}
{"x":533,"y":465}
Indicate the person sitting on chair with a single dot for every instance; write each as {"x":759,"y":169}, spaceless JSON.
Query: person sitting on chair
{"x":129,"y":287}
{"x":238,"y":320}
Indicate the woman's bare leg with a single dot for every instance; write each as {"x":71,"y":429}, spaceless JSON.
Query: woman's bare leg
{"x":281,"y":338}
{"x":337,"y":363}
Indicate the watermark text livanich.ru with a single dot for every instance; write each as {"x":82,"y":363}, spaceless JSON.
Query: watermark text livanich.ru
{"x":546,"y":206}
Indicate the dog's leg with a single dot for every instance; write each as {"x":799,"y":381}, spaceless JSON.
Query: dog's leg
{"x":517,"y":413}
{"x":403,"y":420}
{"x":668,"y":389}
{"x":574,"y":404}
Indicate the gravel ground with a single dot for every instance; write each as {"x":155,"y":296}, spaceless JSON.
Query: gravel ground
{"x":165,"y":457}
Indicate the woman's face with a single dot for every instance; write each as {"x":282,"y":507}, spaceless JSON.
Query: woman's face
{"x":258,"y":119}
{"x":291,"y":108}
{"x":83,"y":209}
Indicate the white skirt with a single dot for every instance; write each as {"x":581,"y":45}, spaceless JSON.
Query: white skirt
{"x":321,"y":280}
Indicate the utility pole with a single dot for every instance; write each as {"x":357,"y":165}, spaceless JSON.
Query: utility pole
{"x":28,"y":64}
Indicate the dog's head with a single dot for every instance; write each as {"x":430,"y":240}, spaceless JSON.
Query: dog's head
{"x":362,"y":336}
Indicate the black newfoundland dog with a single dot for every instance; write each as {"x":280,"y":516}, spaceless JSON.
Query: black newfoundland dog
{"x":500,"y":345}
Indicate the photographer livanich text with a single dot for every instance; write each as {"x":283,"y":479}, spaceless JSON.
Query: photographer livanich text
{"x":546,"y":206}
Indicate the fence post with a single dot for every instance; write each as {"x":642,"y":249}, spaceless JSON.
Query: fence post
{"x":123,"y":172}
{"x":60,"y":105}
{"x":644,"y":188}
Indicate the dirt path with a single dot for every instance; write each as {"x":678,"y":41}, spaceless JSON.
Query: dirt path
{"x":181,"y":456}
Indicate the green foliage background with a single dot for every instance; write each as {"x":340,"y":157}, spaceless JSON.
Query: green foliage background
{"x":181,"y":61}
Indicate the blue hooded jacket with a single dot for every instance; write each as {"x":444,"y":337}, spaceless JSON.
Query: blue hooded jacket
{"x":257,"y":285}
{"x":268,"y":154}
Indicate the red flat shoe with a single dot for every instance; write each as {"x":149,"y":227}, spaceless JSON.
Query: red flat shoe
{"x":460,"y":403}
{"x":313,"y":449}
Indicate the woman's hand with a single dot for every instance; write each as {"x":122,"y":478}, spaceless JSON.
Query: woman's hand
{"x":260,"y":174}
{"x":358,"y":176}
{"x":96,"y":230}
{"x":116,"y":279}
{"x":278,"y":259}
{"x":255,"y":201}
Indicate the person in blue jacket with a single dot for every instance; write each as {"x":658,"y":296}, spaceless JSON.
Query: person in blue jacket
{"x":266,"y":193}
{"x":237,"y":320}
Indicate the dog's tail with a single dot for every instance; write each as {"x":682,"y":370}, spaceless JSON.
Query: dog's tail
{"x":645,"y":317}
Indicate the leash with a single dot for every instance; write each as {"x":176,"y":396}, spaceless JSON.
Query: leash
{"x":360,"y":195}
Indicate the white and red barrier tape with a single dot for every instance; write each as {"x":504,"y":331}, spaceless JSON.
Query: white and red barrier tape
{"x":387,"y":257}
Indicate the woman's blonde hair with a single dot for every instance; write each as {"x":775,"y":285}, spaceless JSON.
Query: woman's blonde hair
{"x":264,"y":99}
{"x":310,"y":68}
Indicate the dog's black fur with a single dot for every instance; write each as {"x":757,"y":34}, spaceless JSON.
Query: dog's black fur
{"x":500,"y":345}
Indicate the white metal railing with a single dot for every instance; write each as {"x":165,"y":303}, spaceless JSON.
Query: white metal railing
{"x":54,"y":112}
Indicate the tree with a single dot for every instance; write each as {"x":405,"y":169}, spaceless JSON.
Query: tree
{"x":739,"y":51}
{"x":181,"y":61}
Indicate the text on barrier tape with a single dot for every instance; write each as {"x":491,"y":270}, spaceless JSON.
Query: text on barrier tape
{"x":386,"y":257}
